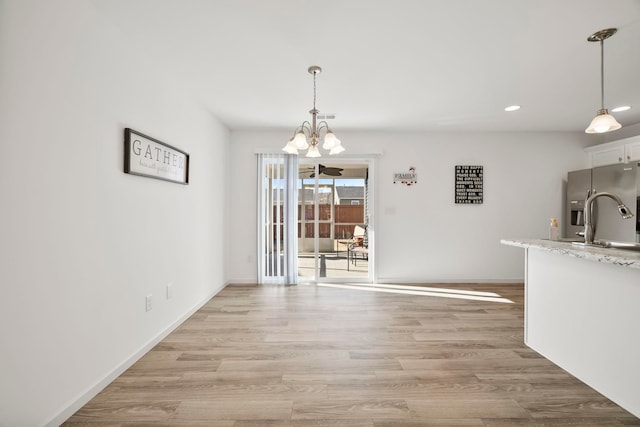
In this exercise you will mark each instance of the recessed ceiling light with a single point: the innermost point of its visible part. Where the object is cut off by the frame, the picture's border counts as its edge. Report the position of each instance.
(619, 109)
(512, 108)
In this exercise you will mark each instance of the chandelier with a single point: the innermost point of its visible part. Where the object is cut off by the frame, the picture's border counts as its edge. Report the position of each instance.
(308, 135)
(603, 122)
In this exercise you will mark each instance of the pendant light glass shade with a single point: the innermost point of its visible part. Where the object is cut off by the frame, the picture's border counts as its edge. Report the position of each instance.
(338, 148)
(329, 141)
(300, 140)
(291, 148)
(313, 151)
(603, 122)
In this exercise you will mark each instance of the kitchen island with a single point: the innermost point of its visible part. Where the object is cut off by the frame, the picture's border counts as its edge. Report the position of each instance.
(582, 312)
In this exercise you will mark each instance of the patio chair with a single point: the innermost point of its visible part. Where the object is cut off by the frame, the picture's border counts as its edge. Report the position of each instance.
(358, 245)
(359, 235)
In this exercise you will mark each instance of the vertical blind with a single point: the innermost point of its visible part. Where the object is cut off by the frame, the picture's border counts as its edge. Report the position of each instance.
(277, 218)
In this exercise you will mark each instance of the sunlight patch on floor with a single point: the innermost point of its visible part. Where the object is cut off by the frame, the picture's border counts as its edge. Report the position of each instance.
(423, 291)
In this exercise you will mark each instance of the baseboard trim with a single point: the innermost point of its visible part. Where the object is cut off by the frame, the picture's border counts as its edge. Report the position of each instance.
(423, 280)
(85, 397)
(391, 280)
(243, 282)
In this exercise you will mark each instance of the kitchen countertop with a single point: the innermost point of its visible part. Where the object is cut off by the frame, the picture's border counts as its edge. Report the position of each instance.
(625, 258)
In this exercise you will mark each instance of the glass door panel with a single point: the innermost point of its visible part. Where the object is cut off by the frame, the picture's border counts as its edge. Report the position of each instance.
(277, 243)
(306, 227)
(333, 238)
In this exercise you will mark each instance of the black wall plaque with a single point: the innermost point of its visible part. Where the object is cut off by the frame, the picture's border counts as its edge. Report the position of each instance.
(469, 185)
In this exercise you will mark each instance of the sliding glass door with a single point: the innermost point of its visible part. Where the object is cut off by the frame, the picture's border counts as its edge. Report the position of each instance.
(335, 238)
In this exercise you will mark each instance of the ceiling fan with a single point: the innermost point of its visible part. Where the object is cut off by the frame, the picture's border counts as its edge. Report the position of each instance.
(323, 170)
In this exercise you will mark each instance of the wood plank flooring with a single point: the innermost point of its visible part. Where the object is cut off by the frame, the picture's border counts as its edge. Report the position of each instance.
(310, 355)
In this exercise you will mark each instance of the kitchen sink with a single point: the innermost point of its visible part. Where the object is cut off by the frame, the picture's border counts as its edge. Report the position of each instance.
(621, 245)
(613, 245)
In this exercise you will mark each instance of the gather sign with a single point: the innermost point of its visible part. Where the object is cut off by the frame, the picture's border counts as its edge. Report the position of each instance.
(146, 156)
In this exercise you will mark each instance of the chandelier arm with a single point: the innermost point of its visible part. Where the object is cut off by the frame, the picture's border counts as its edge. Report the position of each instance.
(305, 128)
(323, 125)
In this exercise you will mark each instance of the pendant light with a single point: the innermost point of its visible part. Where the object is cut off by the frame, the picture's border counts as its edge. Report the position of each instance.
(603, 122)
(307, 135)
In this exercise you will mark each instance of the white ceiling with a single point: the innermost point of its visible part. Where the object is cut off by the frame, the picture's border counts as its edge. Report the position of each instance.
(419, 65)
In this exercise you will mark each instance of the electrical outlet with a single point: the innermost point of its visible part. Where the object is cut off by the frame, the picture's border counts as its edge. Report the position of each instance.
(169, 290)
(148, 305)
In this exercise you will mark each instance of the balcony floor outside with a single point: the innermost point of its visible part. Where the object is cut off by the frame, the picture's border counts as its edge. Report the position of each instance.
(336, 264)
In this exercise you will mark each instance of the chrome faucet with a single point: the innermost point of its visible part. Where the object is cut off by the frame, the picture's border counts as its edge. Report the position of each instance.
(589, 231)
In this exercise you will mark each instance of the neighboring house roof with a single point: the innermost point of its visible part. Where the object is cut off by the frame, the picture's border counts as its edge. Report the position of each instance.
(348, 192)
(308, 196)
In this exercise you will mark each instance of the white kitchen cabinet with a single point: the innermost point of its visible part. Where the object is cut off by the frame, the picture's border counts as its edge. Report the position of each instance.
(632, 151)
(607, 156)
(621, 151)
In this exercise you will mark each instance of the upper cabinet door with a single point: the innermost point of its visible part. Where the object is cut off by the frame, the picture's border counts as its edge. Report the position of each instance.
(632, 151)
(620, 151)
(608, 156)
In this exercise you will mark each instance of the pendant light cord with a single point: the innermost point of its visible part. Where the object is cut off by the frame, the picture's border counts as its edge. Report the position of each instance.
(602, 73)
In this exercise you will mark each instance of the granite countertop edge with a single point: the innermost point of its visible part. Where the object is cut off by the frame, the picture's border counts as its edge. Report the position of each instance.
(621, 257)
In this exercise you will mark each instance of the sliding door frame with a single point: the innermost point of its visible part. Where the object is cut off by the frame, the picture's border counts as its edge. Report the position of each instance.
(370, 214)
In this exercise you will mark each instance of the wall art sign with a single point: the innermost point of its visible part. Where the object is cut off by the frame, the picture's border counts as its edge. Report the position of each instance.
(469, 182)
(146, 156)
(406, 178)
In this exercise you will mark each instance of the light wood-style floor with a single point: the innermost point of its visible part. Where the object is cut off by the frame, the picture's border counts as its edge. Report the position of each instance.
(309, 355)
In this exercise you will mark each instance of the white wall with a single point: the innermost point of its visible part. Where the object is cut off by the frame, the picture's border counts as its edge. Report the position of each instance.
(421, 234)
(625, 132)
(81, 242)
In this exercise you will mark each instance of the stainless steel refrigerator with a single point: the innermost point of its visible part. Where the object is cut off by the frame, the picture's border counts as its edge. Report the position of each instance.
(622, 179)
